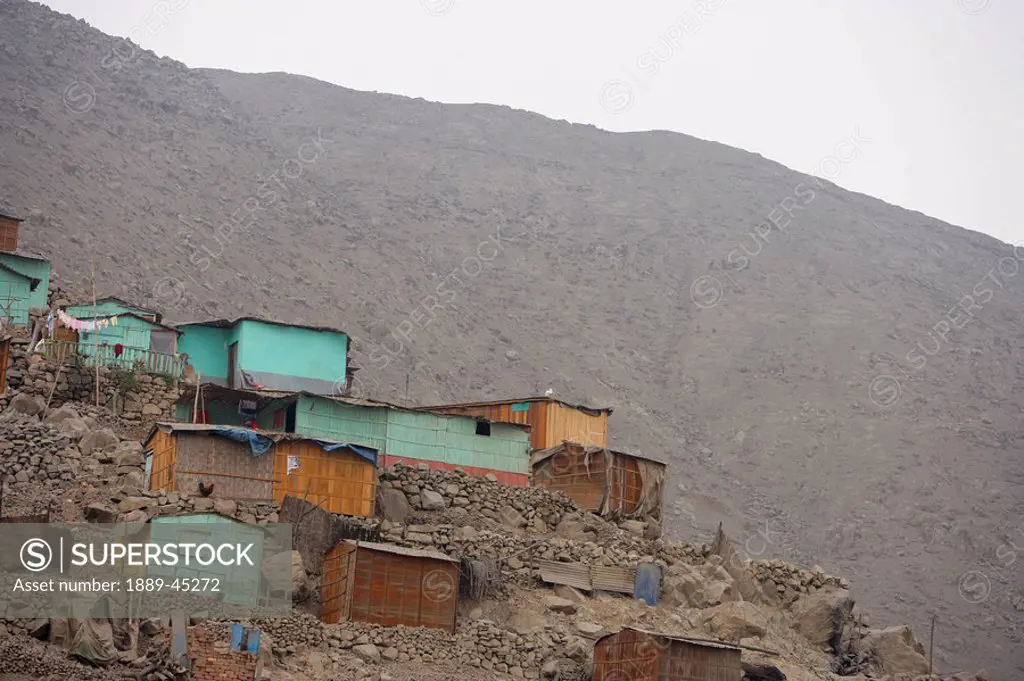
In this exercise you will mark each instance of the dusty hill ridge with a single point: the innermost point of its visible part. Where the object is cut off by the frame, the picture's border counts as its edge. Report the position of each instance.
(516, 254)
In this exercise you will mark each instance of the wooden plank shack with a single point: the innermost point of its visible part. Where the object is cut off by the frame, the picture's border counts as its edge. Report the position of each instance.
(637, 655)
(602, 480)
(244, 464)
(389, 585)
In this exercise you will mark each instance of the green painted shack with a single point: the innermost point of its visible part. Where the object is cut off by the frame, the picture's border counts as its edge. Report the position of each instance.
(257, 354)
(33, 267)
(15, 296)
(143, 339)
(401, 435)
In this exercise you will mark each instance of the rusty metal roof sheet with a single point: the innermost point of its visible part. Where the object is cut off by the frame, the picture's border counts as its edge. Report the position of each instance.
(543, 454)
(705, 642)
(403, 551)
(576, 575)
(614, 578)
(591, 410)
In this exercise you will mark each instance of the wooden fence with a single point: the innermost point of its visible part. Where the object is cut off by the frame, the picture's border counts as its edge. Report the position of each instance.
(130, 359)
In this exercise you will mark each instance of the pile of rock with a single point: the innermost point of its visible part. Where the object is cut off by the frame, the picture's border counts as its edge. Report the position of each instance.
(460, 497)
(789, 581)
(134, 505)
(481, 644)
(24, 657)
(290, 635)
(147, 398)
(32, 452)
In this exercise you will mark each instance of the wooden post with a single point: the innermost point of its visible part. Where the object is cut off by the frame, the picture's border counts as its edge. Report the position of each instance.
(195, 405)
(96, 336)
(931, 646)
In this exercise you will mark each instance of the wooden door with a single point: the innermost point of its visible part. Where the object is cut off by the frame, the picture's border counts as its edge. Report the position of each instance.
(5, 345)
(232, 359)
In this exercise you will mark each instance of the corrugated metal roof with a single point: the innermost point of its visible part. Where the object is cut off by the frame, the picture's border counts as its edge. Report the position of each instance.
(228, 323)
(704, 642)
(22, 253)
(32, 280)
(128, 314)
(570, 574)
(542, 454)
(403, 551)
(5, 214)
(273, 435)
(614, 578)
(581, 407)
(352, 401)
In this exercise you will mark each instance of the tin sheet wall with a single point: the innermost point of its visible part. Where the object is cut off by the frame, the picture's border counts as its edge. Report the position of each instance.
(339, 482)
(551, 422)
(383, 588)
(586, 479)
(164, 458)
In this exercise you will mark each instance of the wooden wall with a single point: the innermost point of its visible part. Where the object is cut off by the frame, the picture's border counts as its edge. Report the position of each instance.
(339, 482)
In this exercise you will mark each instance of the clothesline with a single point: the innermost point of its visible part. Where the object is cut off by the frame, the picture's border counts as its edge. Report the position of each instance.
(81, 324)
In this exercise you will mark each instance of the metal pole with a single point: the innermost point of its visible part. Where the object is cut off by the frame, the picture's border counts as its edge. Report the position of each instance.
(931, 646)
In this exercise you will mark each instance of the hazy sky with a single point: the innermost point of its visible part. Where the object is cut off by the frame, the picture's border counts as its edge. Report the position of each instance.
(937, 86)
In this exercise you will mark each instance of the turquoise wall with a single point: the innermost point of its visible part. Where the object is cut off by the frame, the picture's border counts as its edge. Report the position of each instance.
(36, 269)
(418, 435)
(207, 349)
(277, 357)
(272, 352)
(130, 332)
(15, 297)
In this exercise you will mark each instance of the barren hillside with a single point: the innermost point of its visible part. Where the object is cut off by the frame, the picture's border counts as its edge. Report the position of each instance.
(477, 251)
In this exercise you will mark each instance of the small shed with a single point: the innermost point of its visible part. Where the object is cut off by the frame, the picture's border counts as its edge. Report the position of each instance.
(244, 464)
(389, 585)
(16, 290)
(638, 655)
(551, 421)
(9, 228)
(602, 480)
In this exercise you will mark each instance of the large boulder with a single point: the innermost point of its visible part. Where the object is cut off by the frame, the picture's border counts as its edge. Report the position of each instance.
(23, 403)
(100, 513)
(99, 440)
(288, 563)
(821, 616)
(431, 500)
(733, 621)
(563, 605)
(394, 505)
(74, 428)
(704, 587)
(895, 650)
(128, 453)
(60, 415)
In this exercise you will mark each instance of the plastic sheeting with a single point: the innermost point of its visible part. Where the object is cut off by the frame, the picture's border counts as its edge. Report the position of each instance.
(261, 443)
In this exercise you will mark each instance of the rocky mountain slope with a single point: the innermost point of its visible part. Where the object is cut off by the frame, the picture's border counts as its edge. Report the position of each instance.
(812, 381)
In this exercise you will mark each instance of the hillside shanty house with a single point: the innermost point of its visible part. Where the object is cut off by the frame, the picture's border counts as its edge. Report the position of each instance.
(24, 277)
(257, 354)
(551, 421)
(602, 480)
(10, 227)
(136, 337)
(389, 585)
(16, 290)
(639, 655)
(242, 464)
(402, 435)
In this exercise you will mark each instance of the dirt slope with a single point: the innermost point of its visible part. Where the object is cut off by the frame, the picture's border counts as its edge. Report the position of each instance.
(478, 251)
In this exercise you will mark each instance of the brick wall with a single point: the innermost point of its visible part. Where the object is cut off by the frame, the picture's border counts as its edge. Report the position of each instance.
(213, 659)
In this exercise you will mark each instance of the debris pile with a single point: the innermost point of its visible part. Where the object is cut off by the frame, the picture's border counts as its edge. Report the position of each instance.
(459, 497)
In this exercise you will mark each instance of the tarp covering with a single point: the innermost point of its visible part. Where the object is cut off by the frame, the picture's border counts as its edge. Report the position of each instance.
(652, 476)
(259, 444)
(262, 442)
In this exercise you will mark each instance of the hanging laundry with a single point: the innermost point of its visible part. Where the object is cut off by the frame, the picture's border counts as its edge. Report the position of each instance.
(118, 349)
